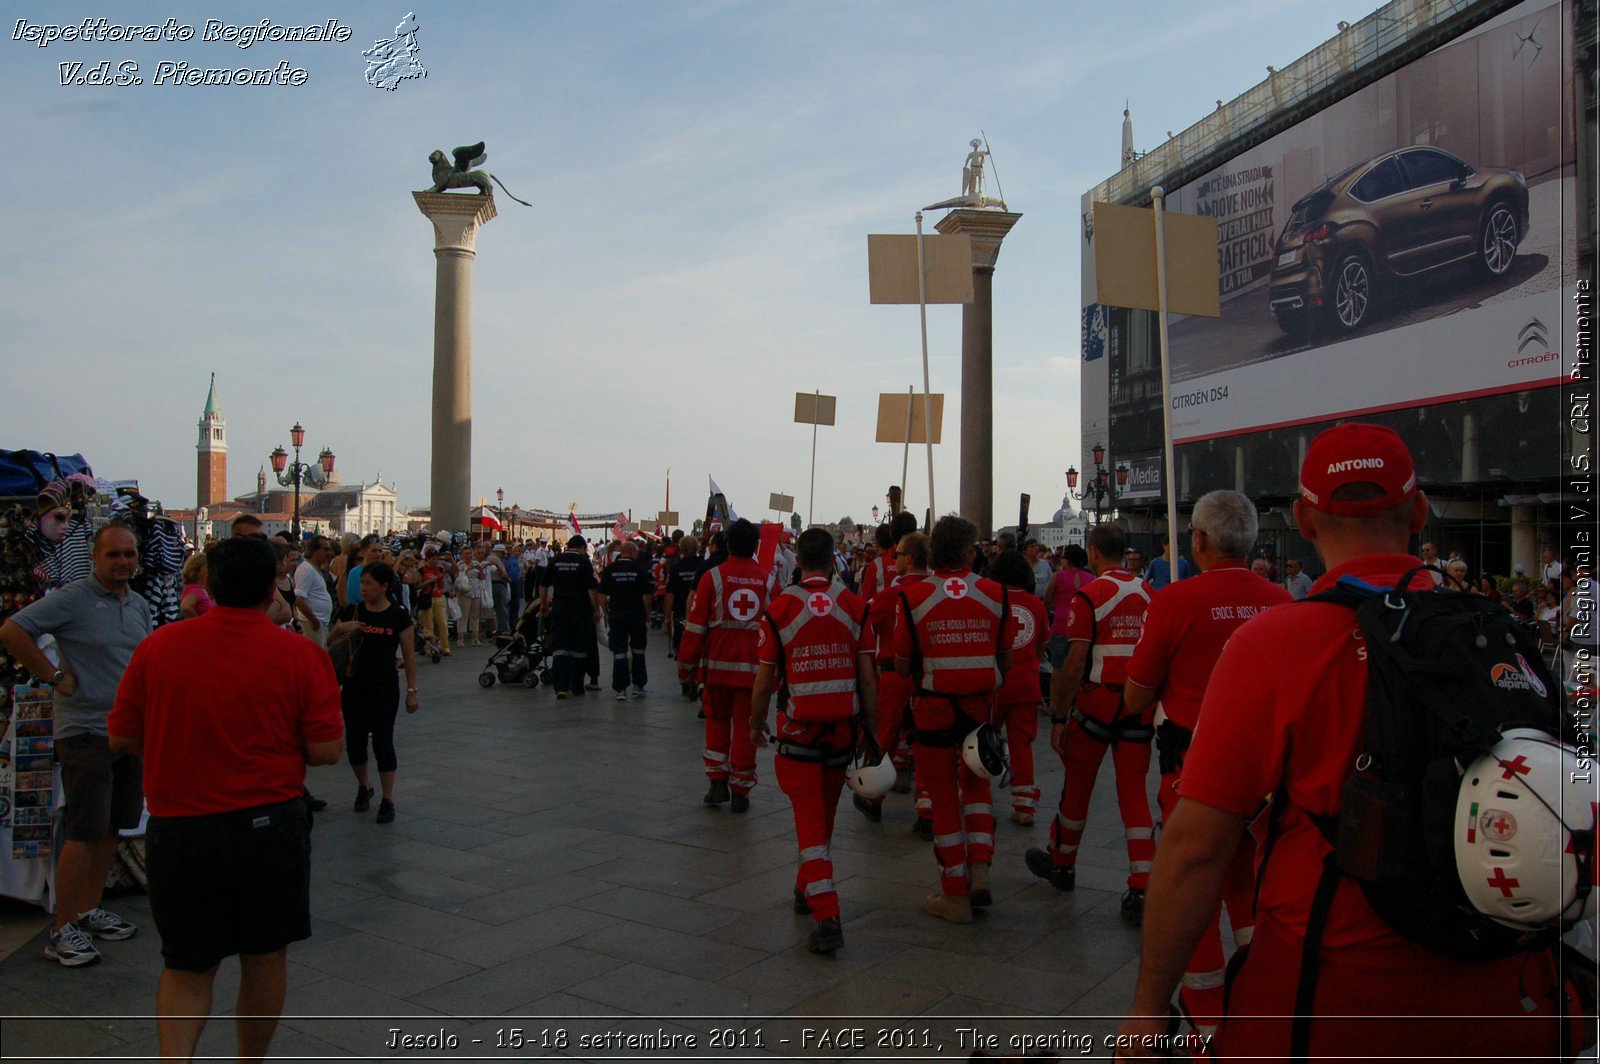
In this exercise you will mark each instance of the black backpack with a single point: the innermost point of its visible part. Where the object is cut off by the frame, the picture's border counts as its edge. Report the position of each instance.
(1433, 707)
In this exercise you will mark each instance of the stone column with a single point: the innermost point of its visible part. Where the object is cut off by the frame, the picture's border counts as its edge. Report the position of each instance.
(987, 229)
(1524, 543)
(456, 220)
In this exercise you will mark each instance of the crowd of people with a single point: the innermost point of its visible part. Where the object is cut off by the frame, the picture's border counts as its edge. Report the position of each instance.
(920, 664)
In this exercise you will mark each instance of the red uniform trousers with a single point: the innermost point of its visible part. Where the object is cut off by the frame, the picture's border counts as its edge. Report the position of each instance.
(1131, 761)
(729, 753)
(813, 788)
(963, 818)
(894, 703)
(1464, 1010)
(1022, 728)
(1202, 990)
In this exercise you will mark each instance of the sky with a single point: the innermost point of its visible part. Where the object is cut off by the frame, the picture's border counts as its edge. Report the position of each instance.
(703, 177)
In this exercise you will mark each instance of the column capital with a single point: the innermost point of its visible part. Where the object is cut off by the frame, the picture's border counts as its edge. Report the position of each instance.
(456, 218)
(987, 229)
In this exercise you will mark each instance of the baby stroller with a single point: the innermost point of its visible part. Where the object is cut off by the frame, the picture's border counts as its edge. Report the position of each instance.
(519, 658)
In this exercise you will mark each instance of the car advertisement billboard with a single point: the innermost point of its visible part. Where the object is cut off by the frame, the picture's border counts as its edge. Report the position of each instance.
(1412, 244)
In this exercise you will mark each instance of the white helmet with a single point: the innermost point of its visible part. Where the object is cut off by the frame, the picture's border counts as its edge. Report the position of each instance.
(985, 752)
(872, 781)
(1516, 814)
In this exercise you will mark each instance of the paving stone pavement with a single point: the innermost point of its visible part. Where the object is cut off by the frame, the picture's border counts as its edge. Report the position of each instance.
(553, 876)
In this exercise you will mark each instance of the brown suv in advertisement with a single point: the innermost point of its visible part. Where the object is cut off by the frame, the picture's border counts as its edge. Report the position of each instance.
(1404, 213)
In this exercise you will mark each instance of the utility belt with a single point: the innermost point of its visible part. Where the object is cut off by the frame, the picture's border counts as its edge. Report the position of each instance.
(952, 735)
(1120, 730)
(819, 753)
(1172, 742)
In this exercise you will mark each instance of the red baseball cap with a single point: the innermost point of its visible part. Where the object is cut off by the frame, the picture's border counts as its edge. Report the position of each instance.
(1356, 453)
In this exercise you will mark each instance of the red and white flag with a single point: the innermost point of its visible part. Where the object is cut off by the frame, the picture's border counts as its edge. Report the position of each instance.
(572, 522)
(620, 529)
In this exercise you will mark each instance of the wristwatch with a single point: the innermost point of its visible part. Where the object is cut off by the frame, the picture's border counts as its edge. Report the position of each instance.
(58, 678)
(411, 690)
(1059, 720)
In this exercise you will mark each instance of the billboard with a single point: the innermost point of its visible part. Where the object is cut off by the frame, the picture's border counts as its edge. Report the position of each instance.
(1412, 244)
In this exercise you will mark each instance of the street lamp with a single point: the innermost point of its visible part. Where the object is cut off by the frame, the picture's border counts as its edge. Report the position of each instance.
(299, 472)
(1099, 488)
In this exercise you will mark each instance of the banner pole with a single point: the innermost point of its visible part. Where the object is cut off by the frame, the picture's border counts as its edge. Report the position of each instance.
(927, 398)
(1170, 480)
(816, 416)
(905, 455)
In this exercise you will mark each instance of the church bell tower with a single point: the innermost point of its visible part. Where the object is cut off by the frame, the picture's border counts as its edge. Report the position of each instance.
(211, 458)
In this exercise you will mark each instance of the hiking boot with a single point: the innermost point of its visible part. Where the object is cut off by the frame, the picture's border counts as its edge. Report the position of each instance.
(922, 828)
(801, 906)
(827, 936)
(903, 780)
(979, 879)
(1041, 864)
(363, 799)
(717, 794)
(385, 811)
(869, 809)
(1133, 906)
(109, 926)
(740, 804)
(957, 910)
(70, 947)
(1023, 817)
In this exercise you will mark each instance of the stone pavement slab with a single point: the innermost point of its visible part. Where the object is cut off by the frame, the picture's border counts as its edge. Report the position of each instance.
(552, 861)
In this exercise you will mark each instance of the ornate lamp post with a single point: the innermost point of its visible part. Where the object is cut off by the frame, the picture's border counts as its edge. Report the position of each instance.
(1099, 489)
(500, 507)
(300, 472)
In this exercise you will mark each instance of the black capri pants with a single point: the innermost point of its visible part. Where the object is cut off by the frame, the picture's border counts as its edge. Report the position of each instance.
(370, 709)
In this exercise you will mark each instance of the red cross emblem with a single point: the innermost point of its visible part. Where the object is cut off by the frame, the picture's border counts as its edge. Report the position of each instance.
(819, 604)
(955, 587)
(1517, 766)
(1501, 883)
(744, 604)
(1501, 825)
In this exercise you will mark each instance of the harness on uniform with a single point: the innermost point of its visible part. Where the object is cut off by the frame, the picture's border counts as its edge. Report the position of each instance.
(1121, 729)
(956, 734)
(797, 751)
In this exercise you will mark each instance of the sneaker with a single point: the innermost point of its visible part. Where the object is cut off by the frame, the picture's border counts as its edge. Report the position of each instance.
(560, 695)
(801, 906)
(827, 936)
(593, 685)
(1041, 864)
(622, 696)
(1133, 906)
(385, 812)
(956, 909)
(717, 794)
(70, 947)
(869, 809)
(740, 804)
(981, 896)
(109, 926)
(1023, 817)
(922, 828)
(636, 692)
(316, 804)
(903, 781)
(363, 799)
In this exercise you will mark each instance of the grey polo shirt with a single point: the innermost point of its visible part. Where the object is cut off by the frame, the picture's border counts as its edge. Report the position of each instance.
(96, 633)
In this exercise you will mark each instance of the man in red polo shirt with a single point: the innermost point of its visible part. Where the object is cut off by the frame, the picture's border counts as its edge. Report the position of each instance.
(815, 637)
(953, 636)
(225, 752)
(1296, 733)
(1184, 631)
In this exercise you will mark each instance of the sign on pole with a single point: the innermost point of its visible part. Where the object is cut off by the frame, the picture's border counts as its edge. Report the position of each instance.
(892, 268)
(646, 525)
(1125, 260)
(667, 518)
(784, 504)
(814, 408)
(893, 420)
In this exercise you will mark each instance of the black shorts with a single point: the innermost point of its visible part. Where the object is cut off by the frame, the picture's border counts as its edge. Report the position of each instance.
(232, 883)
(104, 790)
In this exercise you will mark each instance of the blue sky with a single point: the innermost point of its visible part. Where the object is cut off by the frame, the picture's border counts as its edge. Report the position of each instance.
(704, 176)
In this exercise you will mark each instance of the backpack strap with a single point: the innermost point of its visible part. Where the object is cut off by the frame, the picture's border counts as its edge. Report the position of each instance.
(1305, 996)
